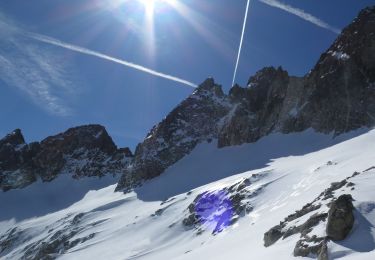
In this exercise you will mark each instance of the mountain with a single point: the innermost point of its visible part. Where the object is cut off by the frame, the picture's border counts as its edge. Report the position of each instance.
(83, 151)
(337, 95)
(282, 168)
(172, 217)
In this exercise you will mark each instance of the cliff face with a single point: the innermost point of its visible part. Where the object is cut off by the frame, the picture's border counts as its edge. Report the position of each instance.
(336, 96)
(16, 167)
(267, 105)
(81, 152)
(340, 89)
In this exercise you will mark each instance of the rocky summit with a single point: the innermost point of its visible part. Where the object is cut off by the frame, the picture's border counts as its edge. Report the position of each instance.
(193, 121)
(336, 96)
(81, 152)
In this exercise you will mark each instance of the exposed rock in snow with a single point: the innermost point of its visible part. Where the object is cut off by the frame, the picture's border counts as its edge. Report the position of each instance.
(340, 218)
(333, 212)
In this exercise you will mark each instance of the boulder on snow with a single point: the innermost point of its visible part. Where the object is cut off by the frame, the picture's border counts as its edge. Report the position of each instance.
(340, 218)
(271, 236)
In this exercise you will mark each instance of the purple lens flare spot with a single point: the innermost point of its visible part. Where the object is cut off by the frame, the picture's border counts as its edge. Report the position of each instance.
(214, 210)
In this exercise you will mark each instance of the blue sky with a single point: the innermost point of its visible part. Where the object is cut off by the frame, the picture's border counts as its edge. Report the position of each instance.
(45, 89)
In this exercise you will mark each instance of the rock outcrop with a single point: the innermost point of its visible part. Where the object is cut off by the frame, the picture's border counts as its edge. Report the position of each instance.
(340, 218)
(81, 152)
(330, 211)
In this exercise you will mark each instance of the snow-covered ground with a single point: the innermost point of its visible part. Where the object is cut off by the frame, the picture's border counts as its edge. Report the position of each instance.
(291, 170)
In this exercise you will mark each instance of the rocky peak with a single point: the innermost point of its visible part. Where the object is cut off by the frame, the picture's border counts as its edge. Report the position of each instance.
(267, 87)
(209, 88)
(193, 121)
(339, 91)
(266, 76)
(257, 108)
(237, 92)
(83, 151)
(337, 96)
(82, 137)
(356, 44)
(14, 138)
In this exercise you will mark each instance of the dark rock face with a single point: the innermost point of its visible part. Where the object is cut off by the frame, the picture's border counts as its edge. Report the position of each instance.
(81, 151)
(16, 167)
(261, 108)
(340, 89)
(272, 235)
(336, 96)
(340, 218)
(194, 121)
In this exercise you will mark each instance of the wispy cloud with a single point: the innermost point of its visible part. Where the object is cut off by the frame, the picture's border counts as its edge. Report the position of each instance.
(302, 14)
(35, 71)
(41, 73)
(128, 64)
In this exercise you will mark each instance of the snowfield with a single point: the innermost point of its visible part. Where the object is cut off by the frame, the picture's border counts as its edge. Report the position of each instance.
(285, 173)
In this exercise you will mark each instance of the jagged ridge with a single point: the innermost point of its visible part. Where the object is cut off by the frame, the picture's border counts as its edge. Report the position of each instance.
(336, 96)
(80, 151)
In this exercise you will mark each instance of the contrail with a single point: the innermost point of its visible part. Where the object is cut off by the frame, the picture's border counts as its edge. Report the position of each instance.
(75, 48)
(240, 47)
(301, 14)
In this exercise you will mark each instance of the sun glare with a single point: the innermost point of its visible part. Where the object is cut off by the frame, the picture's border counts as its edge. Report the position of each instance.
(149, 5)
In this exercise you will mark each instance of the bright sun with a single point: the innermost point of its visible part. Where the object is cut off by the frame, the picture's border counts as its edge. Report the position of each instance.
(149, 5)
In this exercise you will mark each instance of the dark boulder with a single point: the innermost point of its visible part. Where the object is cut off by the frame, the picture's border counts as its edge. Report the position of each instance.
(274, 234)
(340, 218)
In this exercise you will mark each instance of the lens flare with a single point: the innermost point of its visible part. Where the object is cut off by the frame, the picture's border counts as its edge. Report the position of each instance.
(214, 210)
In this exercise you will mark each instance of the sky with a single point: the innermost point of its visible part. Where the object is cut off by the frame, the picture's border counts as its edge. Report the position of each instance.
(125, 64)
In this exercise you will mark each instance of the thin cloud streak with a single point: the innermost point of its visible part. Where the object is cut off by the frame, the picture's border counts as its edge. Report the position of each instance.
(301, 14)
(241, 41)
(35, 72)
(82, 50)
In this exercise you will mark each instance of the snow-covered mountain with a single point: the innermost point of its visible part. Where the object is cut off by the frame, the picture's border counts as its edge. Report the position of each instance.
(284, 167)
(161, 220)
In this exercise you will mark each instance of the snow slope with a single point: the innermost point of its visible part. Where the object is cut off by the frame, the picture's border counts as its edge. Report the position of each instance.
(291, 170)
